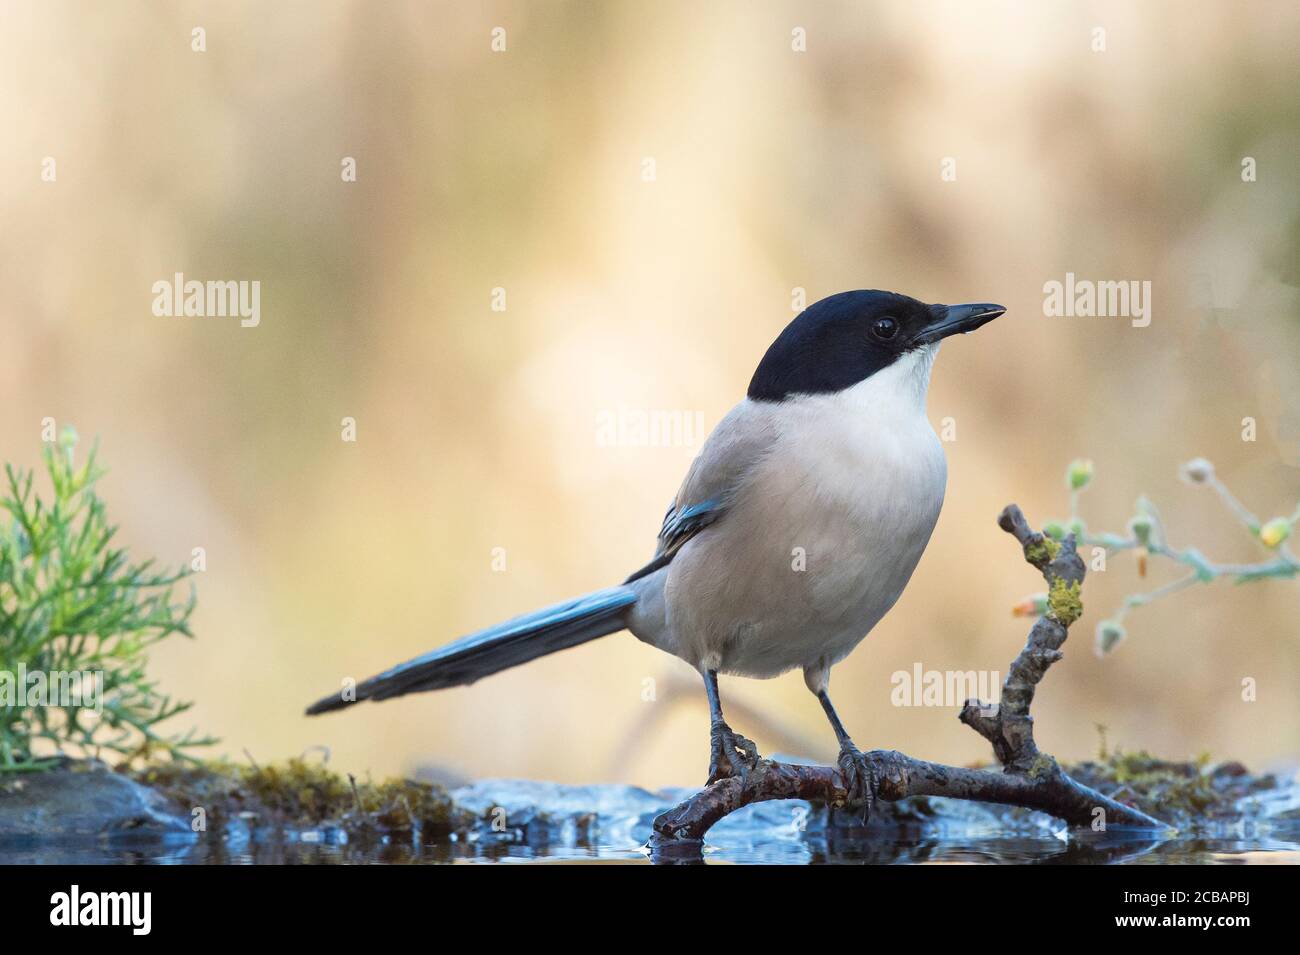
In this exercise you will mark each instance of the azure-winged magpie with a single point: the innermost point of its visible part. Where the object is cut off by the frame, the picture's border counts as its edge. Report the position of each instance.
(796, 529)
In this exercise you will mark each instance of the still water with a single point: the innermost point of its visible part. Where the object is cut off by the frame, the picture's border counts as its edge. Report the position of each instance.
(988, 850)
(548, 823)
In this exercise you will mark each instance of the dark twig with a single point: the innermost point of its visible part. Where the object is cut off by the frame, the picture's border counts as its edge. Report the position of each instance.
(1029, 778)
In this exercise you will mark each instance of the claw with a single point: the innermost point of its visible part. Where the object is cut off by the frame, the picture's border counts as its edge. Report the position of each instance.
(861, 779)
(730, 753)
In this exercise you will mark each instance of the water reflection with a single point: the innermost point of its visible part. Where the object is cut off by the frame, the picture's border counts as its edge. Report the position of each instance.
(843, 848)
(522, 821)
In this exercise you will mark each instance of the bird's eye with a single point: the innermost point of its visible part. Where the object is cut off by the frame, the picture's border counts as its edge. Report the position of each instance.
(884, 328)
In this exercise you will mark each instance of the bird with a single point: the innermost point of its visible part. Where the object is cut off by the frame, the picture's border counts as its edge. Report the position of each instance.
(796, 529)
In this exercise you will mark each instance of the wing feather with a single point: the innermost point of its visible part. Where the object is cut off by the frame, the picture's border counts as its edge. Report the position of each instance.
(720, 469)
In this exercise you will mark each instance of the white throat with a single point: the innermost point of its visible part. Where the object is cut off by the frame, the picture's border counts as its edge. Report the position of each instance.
(890, 405)
(898, 391)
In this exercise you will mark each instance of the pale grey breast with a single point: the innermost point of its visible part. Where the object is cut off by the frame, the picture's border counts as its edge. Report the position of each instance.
(828, 513)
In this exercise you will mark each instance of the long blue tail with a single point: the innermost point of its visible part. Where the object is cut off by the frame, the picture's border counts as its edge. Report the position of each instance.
(498, 648)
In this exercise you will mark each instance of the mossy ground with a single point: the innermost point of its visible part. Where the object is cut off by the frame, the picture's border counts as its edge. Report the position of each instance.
(302, 793)
(1184, 794)
(306, 794)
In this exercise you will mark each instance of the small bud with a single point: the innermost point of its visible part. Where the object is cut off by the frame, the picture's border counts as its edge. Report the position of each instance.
(1140, 528)
(1079, 473)
(1054, 530)
(1275, 532)
(1078, 528)
(1196, 471)
(1034, 605)
(1109, 636)
(68, 437)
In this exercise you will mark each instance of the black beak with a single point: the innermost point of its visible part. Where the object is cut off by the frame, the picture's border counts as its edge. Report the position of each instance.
(957, 320)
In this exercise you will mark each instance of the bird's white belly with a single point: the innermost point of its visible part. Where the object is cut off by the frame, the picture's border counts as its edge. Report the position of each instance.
(815, 550)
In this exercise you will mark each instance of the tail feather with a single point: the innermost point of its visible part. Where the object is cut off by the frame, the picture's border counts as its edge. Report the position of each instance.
(497, 648)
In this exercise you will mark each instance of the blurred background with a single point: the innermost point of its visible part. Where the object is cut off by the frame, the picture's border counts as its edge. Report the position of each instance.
(650, 184)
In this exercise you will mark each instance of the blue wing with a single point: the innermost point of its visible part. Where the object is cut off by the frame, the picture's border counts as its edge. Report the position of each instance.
(680, 525)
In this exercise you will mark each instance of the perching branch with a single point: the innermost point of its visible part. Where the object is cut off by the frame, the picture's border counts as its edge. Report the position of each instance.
(1029, 778)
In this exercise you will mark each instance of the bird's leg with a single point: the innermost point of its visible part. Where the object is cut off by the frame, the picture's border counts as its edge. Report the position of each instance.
(861, 777)
(730, 754)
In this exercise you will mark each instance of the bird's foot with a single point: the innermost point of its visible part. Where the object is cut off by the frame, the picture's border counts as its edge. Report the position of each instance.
(862, 774)
(730, 754)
